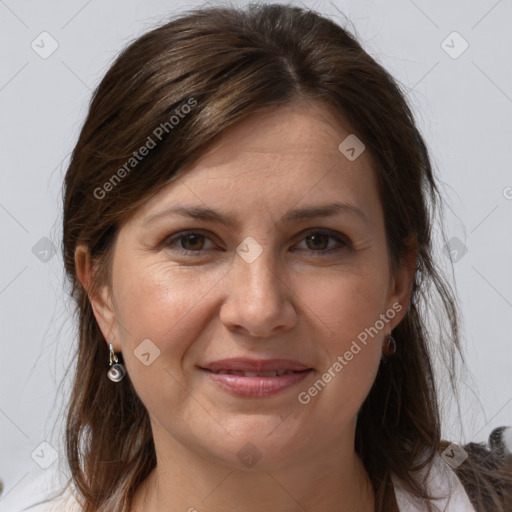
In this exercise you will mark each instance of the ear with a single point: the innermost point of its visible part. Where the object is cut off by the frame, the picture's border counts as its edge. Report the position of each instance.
(101, 299)
(402, 282)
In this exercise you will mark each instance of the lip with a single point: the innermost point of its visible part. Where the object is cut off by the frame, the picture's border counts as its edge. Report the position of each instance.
(246, 364)
(256, 386)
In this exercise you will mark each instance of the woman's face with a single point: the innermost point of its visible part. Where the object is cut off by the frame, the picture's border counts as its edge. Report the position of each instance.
(286, 269)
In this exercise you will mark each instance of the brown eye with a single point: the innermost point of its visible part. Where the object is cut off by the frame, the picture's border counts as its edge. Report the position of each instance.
(321, 242)
(192, 242)
(189, 242)
(318, 241)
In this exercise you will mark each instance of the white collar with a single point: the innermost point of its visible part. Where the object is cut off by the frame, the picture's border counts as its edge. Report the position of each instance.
(441, 482)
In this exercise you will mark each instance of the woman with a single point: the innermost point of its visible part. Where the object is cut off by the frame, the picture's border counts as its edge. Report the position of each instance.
(247, 231)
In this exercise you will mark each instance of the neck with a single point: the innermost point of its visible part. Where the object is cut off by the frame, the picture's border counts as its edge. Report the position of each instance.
(316, 481)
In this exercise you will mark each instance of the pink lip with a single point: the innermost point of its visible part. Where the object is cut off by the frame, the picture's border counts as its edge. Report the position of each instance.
(256, 386)
(245, 364)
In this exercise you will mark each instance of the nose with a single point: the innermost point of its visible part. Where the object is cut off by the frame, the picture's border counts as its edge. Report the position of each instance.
(259, 302)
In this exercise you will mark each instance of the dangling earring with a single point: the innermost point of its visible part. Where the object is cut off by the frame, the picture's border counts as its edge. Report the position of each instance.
(388, 347)
(118, 371)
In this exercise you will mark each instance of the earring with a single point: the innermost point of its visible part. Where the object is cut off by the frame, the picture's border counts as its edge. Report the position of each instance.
(118, 371)
(388, 347)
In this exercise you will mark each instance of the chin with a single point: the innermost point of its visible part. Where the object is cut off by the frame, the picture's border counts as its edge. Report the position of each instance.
(262, 444)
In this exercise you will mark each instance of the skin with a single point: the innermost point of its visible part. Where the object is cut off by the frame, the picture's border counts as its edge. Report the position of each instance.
(301, 298)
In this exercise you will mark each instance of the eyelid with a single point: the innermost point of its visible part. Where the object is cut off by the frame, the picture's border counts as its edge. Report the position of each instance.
(182, 234)
(340, 238)
(343, 241)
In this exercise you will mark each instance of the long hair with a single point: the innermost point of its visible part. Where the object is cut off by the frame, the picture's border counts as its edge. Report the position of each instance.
(180, 86)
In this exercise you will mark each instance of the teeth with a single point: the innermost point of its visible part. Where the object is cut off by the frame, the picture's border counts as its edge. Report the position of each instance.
(273, 373)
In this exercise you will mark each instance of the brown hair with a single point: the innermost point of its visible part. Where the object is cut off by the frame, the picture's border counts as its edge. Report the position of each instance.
(229, 63)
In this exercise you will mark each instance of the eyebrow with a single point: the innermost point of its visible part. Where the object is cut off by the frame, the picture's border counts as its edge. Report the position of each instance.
(296, 215)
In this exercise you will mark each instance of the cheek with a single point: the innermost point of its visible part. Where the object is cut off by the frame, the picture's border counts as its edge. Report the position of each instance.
(166, 306)
(160, 309)
(345, 304)
(347, 310)
(153, 300)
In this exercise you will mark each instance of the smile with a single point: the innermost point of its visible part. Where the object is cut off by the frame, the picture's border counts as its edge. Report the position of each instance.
(275, 373)
(256, 384)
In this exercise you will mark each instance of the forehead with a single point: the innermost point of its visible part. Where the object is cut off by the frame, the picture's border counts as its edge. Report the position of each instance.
(289, 133)
(289, 154)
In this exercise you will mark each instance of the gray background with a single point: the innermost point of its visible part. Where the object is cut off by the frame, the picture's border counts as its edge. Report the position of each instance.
(463, 104)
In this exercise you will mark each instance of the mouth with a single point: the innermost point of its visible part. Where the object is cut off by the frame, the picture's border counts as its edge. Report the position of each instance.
(255, 378)
(275, 373)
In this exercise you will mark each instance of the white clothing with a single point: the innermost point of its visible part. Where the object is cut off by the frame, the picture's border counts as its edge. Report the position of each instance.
(442, 482)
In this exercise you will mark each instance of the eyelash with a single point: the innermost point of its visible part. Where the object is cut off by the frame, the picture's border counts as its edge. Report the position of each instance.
(344, 245)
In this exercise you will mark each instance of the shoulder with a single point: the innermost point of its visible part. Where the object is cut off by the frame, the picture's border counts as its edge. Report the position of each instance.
(487, 471)
(63, 503)
(469, 478)
(45, 492)
(442, 484)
